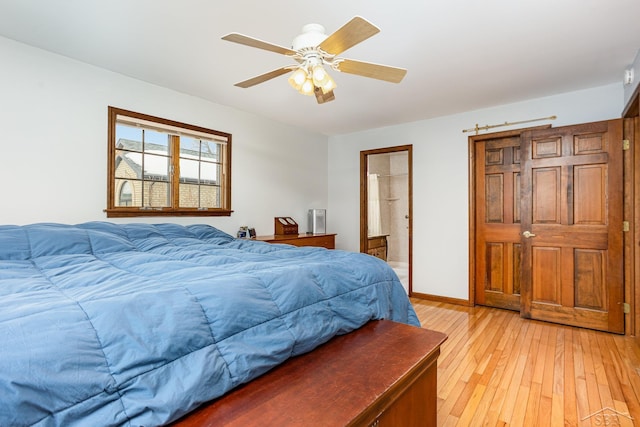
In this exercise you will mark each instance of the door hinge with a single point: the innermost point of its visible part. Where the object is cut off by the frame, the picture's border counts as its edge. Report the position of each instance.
(626, 308)
(625, 225)
(626, 144)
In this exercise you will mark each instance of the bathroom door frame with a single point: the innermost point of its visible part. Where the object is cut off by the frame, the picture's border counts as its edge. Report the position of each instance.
(364, 197)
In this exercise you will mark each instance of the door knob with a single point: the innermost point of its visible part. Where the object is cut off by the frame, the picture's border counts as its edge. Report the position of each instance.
(528, 234)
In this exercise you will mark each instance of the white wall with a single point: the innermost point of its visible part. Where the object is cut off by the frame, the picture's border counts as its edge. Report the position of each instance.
(53, 161)
(440, 174)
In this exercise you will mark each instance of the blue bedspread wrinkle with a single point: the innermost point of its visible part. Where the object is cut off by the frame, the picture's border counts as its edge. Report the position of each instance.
(136, 324)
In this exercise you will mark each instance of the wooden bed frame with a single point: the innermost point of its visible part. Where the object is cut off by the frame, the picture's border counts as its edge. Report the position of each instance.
(383, 374)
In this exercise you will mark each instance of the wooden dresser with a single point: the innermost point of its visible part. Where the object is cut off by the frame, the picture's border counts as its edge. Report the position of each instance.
(377, 246)
(383, 375)
(322, 240)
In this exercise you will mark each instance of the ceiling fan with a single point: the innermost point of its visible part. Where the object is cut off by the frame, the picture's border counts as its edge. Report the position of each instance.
(312, 50)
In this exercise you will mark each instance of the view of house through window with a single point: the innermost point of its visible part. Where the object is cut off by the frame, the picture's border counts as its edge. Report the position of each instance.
(161, 167)
(125, 194)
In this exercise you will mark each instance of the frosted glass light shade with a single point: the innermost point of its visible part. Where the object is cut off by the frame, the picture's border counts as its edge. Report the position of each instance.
(297, 79)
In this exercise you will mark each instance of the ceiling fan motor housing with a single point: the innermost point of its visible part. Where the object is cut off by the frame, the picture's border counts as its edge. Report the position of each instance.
(312, 35)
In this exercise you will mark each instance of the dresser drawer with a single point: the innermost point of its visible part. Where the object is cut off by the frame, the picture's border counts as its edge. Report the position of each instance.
(377, 246)
(378, 253)
(320, 240)
(377, 242)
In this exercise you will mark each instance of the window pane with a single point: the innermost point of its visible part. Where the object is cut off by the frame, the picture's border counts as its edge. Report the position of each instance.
(129, 193)
(189, 147)
(126, 195)
(209, 196)
(189, 170)
(157, 194)
(199, 196)
(189, 196)
(128, 137)
(209, 173)
(195, 172)
(210, 150)
(156, 167)
(156, 142)
(193, 148)
(128, 164)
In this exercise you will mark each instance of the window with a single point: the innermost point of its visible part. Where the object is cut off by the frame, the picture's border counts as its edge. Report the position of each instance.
(159, 167)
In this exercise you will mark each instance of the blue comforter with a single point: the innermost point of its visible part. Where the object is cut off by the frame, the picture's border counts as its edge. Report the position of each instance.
(104, 324)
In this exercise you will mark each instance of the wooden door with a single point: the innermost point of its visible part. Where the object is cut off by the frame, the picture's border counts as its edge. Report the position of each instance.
(572, 205)
(497, 221)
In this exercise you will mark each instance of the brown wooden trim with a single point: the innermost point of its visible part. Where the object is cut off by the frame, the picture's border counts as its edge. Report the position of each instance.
(472, 220)
(364, 196)
(175, 187)
(119, 111)
(225, 179)
(634, 286)
(438, 298)
(410, 213)
(629, 237)
(631, 113)
(616, 237)
(632, 108)
(112, 113)
(129, 213)
(226, 174)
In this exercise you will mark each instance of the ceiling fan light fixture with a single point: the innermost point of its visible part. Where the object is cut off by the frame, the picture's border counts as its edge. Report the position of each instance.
(322, 79)
(308, 76)
(328, 85)
(297, 79)
(307, 87)
(319, 74)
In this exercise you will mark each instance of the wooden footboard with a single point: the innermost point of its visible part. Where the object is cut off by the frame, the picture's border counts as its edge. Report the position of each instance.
(383, 374)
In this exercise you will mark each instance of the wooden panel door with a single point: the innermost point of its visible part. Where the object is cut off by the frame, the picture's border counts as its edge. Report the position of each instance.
(572, 205)
(497, 221)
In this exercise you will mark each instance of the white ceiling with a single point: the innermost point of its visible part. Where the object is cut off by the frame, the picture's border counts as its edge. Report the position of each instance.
(461, 55)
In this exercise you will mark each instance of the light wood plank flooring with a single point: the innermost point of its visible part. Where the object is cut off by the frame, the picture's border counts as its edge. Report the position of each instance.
(497, 369)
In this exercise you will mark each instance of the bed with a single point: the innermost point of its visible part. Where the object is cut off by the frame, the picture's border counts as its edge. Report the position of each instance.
(138, 324)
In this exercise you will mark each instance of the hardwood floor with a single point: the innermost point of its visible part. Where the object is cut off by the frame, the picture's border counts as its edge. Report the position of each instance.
(497, 369)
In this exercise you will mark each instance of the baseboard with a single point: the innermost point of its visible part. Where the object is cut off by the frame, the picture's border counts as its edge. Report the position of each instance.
(437, 298)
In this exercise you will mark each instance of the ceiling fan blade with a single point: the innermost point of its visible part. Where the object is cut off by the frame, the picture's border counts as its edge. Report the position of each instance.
(322, 97)
(375, 71)
(263, 77)
(260, 44)
(349, 35)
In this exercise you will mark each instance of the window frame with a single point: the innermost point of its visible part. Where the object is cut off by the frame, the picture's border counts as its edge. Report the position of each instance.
(114, 211)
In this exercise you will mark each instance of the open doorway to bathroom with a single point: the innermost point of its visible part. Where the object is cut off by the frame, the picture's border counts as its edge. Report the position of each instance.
(386, 208)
